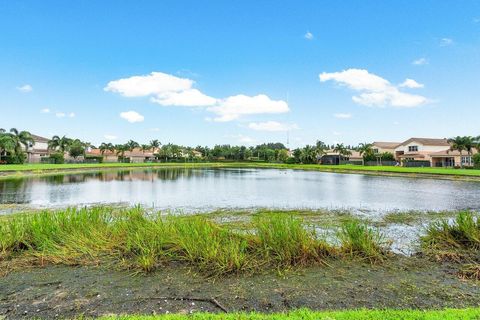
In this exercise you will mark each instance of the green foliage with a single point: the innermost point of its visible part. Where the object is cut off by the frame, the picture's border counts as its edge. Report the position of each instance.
(476, 160)
(285, 240)
(360, 240)
(305, 314)
(143, 241)
(76, 149)
(462, 233)
(57, 158)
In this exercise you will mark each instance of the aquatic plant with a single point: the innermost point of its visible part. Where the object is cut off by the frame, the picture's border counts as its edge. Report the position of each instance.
(142, 240)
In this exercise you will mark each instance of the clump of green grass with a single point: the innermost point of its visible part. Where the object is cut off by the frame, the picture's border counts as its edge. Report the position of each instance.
(463, 233)
(143, 241)
(357, 239)
(284, 240)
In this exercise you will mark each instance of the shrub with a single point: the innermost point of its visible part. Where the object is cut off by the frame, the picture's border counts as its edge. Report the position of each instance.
(57, 158)
(476, 160)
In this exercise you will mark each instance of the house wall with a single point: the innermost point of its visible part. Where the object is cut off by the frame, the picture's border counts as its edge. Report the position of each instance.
(421, 148)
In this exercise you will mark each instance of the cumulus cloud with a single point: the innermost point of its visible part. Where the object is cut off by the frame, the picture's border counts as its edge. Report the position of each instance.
(110, 137)
(342, 115)
(186, 98)
(420, 62)
(410, 83)
(71, 114)
(25, 88)
(445, 42)
(234, 107)
(146, 85)
(308, 35)
(45, 110)
(374, 90)
(272, 126)
(169, 90)
(132, 116)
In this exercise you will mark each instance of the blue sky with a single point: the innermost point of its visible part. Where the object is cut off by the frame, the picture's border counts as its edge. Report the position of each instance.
(240, 72)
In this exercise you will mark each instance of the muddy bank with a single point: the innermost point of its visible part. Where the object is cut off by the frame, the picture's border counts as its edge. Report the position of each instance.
(61, 291)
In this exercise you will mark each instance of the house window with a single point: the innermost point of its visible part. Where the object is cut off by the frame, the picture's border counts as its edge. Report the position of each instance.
(412, 148)
(375, 150)
(467, 160)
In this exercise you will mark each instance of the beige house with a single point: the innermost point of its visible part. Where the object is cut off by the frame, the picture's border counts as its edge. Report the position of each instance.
(419, 149)
(38, 149)
(382, 147)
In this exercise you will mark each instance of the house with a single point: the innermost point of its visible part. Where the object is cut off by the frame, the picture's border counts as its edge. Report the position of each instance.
(38, 149)
(452, 158)
(420, 149)
(333, 157)
(382, 147)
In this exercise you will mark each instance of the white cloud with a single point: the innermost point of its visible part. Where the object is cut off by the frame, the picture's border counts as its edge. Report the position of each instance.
(110, 137)
(71, 114)
(410, 83)
(147, 85)
(25, 88)
(445, 42)
(45, 110)
(168, 90)
(308, 35)
(272, 126)
(240, 138)
(342, 115)
(375, 91)
(132, 116)
(420, 62)
(186, 98)
(60, 114)
(234, 107)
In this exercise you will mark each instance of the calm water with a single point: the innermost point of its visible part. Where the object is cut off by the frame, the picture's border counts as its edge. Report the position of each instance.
(207, 189)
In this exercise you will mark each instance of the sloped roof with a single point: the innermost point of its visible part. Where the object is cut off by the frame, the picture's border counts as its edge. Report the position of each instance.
(38, 138)
(386, 145)
(452, 153)
(428, 142)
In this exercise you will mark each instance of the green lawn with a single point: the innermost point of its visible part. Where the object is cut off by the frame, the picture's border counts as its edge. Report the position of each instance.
(448, 314)
(40, 168)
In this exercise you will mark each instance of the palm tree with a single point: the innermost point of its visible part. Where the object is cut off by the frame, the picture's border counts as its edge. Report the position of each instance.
(7, 143)
(132, 145)
(155, 144)
(459, 144)
(21, 138)
(106, 147)
(121, 149)
(145, 147)
(342, 150)
(308, 154)
(365, 149)
(321, 147)
(62, 144)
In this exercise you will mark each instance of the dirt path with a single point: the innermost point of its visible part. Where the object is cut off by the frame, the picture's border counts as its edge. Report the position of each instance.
(60, 291)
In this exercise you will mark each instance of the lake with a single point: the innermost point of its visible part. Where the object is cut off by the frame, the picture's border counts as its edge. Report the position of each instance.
(210, 189)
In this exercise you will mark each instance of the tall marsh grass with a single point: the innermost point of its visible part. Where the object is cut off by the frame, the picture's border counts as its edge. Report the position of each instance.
(144, 241)
(462, 233)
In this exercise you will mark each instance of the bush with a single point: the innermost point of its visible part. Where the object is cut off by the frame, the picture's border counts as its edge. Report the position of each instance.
(57, 158)
(19, 158)
(476, 160)
(94, 159)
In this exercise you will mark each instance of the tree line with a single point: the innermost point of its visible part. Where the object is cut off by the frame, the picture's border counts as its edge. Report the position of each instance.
(15, 144)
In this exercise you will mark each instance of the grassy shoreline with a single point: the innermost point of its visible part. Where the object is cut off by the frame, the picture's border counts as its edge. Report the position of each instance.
(12, 171)
(305, 314)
